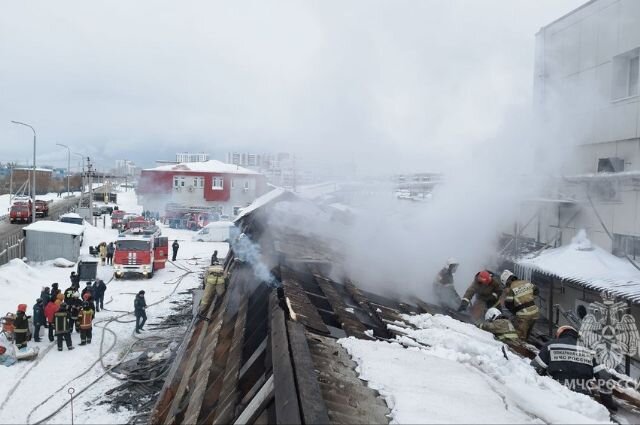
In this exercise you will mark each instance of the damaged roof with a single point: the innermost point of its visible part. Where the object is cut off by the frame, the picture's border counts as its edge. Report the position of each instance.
(268, 353)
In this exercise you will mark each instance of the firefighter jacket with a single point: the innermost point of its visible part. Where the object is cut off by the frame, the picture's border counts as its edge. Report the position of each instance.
(520, 299)
(61, 320)
(38, 314)
(88, 289)
(488, 293)
(50, 310)
(21, 327)
(572, 365)
(445, 277)
(501, 328)
(86, 318)
(68, 294)
(74, 308)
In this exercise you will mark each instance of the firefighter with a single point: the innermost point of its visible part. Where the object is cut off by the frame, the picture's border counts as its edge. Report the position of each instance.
(214, 258)
(99, 289)
(8, 325)
(174, 246)
(88, 289)
(139, 307)
(61, 320)
(485, 288)
(496, 323)
(54, 291)
(574, 366)
(214, 284)
(445, 292)
(38, 319)
(75, 280)
(49, 311)
(21, 330)
(103, 252)
(74, 307)
(86, 319)
(520, 301)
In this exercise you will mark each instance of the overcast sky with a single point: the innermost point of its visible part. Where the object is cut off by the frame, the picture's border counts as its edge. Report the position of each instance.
(395, 81)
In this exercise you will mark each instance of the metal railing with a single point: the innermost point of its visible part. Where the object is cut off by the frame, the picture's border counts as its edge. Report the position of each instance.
(13, 247)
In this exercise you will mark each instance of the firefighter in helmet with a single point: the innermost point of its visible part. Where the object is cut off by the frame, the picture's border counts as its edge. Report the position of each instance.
(496, 323)
(485, 287)
(520, 301)
(443, 288)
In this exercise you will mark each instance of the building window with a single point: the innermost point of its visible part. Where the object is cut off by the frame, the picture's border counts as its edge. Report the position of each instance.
(217, 183)
(246, 186)
(233, 183)
(626, 244)
(626, 73)
(178, 181)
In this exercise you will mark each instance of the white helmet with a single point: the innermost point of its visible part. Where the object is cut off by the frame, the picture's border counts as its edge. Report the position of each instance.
(492, 314)
(504, 277)
(452, 261)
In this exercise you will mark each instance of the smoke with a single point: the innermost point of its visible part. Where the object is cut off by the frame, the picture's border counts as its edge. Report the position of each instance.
(248, 252)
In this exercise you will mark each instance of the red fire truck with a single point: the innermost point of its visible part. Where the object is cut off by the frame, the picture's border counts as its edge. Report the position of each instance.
(42, 208)
(140, 251)
(21, 209)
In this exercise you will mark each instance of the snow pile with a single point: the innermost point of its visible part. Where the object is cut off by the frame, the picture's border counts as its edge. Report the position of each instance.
(55, 227)
(587, 263)
(63, 262)
(464, 377)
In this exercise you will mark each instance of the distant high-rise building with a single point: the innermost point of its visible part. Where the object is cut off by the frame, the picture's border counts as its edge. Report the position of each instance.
(191, 157)
(244, 159)
(124, 167)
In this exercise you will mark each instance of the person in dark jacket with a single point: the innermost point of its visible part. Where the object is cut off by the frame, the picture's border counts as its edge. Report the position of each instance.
(38, 319)
(54, 291)
(111, 249)
(574, 366)
(61, 320)
(68, 294)
(74, 305)
(99, 289)
(21, 330)
(75, 280)
(174, 246)
(49, 311)
(139, 307)
(45, 295)
(214, 258)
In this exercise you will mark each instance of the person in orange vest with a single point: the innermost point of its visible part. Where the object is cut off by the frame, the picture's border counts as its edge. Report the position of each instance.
(86, 318)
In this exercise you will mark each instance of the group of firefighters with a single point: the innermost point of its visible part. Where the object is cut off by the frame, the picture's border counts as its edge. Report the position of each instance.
(562, 358)
(59, 312)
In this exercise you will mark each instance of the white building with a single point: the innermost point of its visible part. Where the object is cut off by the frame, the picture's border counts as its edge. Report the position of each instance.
(124, 167)
(587, 73)
(191, 157)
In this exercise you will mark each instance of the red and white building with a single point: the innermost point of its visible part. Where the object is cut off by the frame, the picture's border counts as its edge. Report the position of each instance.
(220, 187)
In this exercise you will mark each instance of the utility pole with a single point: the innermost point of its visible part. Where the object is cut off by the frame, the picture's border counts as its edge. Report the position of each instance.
(11, 186)
(89, 178)
(81, 180)
(68, 165)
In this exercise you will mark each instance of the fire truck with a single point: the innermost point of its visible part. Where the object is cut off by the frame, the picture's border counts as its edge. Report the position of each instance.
(21, 209)
(42, 208)
(116, 218)
(190, 218)
(140, 251)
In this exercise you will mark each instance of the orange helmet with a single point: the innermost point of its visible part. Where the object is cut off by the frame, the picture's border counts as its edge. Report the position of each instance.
(563, 329)
(22, 308)
(2, 349)
(484, 277)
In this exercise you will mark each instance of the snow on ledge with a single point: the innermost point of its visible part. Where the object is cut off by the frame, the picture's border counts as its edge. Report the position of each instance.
(56, 227)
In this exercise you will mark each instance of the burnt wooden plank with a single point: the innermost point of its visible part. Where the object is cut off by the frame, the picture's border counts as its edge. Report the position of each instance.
(314, 410)
(286, 397)
(351, 325)
(301, 305)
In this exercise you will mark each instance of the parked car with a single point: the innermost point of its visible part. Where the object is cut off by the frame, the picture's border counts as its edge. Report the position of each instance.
(72, 218)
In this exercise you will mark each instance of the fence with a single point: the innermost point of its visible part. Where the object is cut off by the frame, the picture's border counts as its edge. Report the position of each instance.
(13, 248)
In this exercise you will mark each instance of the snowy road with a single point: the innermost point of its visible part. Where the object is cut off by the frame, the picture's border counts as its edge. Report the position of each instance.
(33, 390)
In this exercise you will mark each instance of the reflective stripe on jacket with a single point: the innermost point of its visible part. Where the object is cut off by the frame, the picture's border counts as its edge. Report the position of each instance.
(520, 299)
(501, 328)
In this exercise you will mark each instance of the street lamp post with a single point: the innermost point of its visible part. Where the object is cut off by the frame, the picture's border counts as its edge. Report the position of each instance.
(81, 179)
(33, 187)
(68, 166)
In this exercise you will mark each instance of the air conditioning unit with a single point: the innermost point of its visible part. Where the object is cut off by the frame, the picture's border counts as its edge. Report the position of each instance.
(610, 165)
(246, 189)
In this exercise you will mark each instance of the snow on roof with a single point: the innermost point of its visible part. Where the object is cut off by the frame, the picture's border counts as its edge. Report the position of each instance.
(262, 200)
(70, 215)
(211, 166)
(56, 227)
(587, 264)
(31, 169)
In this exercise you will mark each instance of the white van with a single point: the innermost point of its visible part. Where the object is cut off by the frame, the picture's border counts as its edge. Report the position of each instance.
(218, 231)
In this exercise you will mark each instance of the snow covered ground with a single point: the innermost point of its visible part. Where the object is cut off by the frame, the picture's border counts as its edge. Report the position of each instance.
(446, 371)
(32, 390)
